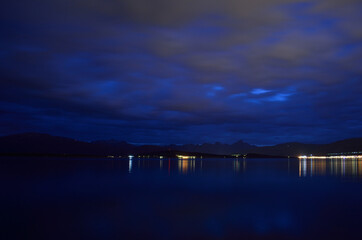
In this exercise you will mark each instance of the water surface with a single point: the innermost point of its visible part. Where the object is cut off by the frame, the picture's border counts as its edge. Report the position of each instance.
(83, 198)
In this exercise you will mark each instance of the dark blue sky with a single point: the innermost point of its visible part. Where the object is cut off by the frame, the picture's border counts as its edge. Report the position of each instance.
(192, 71)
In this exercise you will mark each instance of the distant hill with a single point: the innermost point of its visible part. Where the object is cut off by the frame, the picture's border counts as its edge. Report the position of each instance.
(30, 143)
(113, 147)
(285, 149)
(217, 148)
(297, 149)
(38, 143)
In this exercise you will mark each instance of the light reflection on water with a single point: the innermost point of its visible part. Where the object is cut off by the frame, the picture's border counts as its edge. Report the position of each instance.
(145, 198)
(330, 167)
(187, 166)
(298, 167)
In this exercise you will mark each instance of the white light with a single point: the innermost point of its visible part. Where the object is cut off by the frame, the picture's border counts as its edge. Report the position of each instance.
(330, 157)
(130, 165)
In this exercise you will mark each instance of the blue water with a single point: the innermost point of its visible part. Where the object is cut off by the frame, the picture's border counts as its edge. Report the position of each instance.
(69, 198)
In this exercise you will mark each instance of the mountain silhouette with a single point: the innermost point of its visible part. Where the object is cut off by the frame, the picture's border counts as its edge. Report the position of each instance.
(39, 143)
(297, 149)
(217, 148)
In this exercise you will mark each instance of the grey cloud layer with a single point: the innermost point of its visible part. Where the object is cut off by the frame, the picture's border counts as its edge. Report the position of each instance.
(185, 65)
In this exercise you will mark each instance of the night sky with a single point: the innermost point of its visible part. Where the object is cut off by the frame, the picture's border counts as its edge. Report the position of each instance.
(191, 71)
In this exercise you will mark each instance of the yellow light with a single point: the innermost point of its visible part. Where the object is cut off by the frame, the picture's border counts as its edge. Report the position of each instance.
(185, 157)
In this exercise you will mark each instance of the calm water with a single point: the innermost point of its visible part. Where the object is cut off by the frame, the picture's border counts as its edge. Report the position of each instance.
(54, 198)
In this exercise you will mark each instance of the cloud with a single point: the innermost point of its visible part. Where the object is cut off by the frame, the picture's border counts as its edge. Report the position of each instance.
(144, 69)
(258, 91)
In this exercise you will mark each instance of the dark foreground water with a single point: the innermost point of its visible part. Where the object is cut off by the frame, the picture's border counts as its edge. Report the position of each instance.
(54, 198)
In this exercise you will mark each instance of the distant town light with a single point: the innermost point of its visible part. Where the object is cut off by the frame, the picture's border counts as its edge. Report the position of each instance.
(185, 157)
(330, 157)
